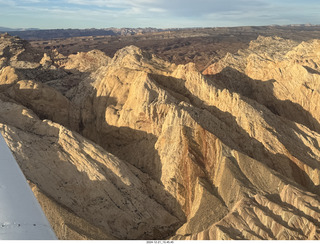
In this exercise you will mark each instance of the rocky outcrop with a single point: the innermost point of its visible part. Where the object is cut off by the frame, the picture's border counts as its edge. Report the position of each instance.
(137, 148)
(81, 176)
(66, 224)
(281, 74)
(86, 62)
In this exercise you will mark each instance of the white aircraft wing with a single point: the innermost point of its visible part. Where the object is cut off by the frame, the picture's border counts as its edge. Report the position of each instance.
(21, 217)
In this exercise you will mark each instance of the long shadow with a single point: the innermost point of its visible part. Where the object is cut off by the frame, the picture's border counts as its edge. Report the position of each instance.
(150, 232)
(138, 147)
(119, 215)
(67, 79)
(276, 199)
(44, 104)
(237, 138)
(263, 93)
(133, 146)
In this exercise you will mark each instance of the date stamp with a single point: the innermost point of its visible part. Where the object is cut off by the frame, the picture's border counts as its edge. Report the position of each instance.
(160, 242)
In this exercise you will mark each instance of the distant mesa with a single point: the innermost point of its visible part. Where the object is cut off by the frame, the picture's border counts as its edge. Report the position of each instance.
(6, 29)
(47, 34)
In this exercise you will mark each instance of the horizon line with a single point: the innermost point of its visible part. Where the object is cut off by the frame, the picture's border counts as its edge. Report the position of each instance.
(9, 29)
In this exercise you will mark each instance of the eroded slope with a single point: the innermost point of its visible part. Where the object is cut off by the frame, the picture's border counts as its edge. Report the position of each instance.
(137, 147)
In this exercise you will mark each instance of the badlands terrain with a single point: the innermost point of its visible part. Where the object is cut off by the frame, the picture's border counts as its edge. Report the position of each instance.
(201, 46)
(136, 147)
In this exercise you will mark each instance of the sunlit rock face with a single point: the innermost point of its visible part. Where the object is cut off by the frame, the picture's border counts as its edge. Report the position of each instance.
(133, 147)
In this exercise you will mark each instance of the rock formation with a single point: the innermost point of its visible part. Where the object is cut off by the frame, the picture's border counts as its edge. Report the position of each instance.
(134, 147)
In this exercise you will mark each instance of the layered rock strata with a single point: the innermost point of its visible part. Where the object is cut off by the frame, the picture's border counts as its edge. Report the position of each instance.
(134, 147)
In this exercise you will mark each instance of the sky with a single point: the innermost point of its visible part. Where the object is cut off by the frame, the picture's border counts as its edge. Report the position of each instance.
(52, 14)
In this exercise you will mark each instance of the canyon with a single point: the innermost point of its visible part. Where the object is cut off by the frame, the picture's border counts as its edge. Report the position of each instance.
(137, 147)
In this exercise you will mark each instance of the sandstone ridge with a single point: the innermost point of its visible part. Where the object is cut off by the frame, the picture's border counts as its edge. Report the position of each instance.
(133, 147)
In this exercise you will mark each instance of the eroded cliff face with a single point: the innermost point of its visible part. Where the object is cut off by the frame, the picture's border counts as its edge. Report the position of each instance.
(280, 74)
(134, 147)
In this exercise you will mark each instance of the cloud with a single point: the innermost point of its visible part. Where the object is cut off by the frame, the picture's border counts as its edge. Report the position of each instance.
(281, 13)
(157, 13)
(183, 8)
(7, 3)
(32, 1)
(103, 3)
(202, 7)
